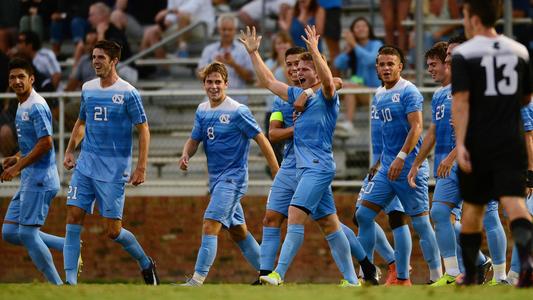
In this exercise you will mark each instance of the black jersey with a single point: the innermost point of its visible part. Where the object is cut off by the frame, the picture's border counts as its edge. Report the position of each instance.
(497, 74)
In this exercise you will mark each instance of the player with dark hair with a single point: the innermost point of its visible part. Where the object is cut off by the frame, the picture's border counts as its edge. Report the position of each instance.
(491, 81)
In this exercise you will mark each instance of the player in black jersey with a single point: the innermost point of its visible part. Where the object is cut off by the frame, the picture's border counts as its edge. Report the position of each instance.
(491, 81)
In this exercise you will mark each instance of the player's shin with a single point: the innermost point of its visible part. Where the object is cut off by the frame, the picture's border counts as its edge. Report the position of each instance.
(269, 248)
(428, 243)
(291, 245)
(251, 250)
(71, 252)
(340, 249)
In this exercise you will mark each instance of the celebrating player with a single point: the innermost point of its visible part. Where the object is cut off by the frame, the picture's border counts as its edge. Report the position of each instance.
(110, 107)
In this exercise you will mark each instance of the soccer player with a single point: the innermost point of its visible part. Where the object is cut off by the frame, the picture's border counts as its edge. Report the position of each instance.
(110, 107)
(399, 106)
(313, 134)
(527, 118)
(36, 164)
(225, 128)
(491, 81)
(285, 183)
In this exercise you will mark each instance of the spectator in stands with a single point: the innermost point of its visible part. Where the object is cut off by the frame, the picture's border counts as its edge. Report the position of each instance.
(359, 59)
(131, 16)
(71, 14)
(178, 15)
(304, 12)
(32, 20)
(332, 28)
(231, 53)
(8, 110)
(252, 13)
(84, 70)
(44, 60)
(9, 21)
(393, 13)
(523, 32)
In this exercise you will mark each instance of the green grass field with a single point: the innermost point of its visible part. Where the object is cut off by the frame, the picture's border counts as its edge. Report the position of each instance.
(237, 291)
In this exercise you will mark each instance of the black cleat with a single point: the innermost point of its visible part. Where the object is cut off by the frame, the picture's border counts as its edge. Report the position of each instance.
(525, 278)
(257, 282)
(371, 276)
(150, 274)
(483, 270)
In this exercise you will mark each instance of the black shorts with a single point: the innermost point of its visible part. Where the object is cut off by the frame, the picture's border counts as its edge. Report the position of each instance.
(332, 28)
(481, 186)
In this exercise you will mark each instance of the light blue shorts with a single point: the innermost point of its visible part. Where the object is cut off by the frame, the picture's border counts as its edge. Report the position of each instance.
(225, 204)
(84, 191)
(282, 190)
(395, 205)
(529, 204)
(314, 192)
(447, 189)
(29, 207)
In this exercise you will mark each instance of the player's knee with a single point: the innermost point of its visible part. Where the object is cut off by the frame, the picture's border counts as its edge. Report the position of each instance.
(113, 233)
(10, 234)
(273, 219)
(26, 233)
(362, 218)
(440, 213)
(397, 219)
(329, 224)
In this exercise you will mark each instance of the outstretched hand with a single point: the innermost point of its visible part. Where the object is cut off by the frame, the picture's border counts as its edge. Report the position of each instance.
(250, 39)
(311, 39)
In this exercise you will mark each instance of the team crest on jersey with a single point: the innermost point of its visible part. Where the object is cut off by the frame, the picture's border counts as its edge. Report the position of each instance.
(224, 118)
(118, 99)
(25, 116)
(396, 98)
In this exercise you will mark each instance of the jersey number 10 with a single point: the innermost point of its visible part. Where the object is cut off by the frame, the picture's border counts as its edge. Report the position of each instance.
(509, 82)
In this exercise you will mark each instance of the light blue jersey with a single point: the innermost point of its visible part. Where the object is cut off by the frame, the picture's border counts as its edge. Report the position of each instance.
(34, 121)
(441, 110)
(313, 130)
(109, 114)
(376, 136)
(527, 117)
(392, 106)
(225, 131)
(286, 110)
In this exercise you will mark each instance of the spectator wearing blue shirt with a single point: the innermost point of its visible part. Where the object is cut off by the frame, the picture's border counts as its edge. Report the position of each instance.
(358, 59)
(304, 12)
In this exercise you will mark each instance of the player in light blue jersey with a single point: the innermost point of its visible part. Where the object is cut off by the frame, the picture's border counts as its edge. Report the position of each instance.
(39, 180)
(527, 118)
(110, 108)
(399, 106)
(225, 128)
(313, 134)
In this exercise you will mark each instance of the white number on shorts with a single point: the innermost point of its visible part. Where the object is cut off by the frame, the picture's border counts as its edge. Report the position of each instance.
(509, 82)
(369, 187)
(98, 112)
(74, 191)
(211, 133)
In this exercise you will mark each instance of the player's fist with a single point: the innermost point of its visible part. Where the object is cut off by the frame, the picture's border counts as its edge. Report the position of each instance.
(463, 159)
(184, 162)
(69, 162)
(411, 177)
(10, 173)
(138, 176)
(9, 161)
(395, 169)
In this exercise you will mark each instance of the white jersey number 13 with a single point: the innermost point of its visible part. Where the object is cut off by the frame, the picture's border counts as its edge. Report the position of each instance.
(509, 82)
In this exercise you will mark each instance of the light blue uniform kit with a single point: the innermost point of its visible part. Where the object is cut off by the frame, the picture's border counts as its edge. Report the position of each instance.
(225, 132)
(392, 108)
(39, 182)
(104, 164)
(285, 183)
(527, 118)
(313, 135)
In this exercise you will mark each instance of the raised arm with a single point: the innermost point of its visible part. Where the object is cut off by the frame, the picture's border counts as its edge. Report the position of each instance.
(189, 149)
(268, 152)
(42, 146)
(265, 77)
(321, 66)
(78, 132)
(139, 174)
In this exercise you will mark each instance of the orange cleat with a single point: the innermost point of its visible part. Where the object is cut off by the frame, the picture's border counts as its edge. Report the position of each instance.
(391, 274)
(400, 282)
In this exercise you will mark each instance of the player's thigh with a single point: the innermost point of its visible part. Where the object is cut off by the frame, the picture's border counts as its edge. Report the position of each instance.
(379, 190)
(281, 192)
(224, 204)
(110, 197)
(311, 187)
(326, 206)
(81, 192)
(13, 210)
(414, 200)
(34, 206)
(447, 190)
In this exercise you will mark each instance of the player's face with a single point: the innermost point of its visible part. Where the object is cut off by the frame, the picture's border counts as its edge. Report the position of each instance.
(306, 74)
(448, 59)
(227, 31)
(291, 62)
(215, 87)
(20, 82)
(389, 68)
(437, 69)
(467, 22)
(102, 63)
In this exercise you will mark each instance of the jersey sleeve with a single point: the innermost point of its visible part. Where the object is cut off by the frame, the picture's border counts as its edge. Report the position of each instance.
(246, 123)
(135, 107)
(527, 117)
(42, 120)
(196, 133)
(83, 108)
(460, 78)
(412, 100)
(433, 108)
(293, 93)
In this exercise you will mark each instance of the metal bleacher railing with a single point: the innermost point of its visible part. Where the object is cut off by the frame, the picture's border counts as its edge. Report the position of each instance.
(171, 114)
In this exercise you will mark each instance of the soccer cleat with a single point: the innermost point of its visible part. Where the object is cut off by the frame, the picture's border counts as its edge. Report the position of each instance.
(462, 280)
(271, 279)
(191, 282)
(400, 282)
(391, 274)
(483, 270)
(80, 260)
(150, 274)
(371, 277)
(525, 278)
(346, 284)
(494, 282)
(445, 280)
(257, 282)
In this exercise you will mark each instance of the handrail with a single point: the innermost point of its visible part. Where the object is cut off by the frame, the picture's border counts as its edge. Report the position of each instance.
(166, 40)
(411, 23)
